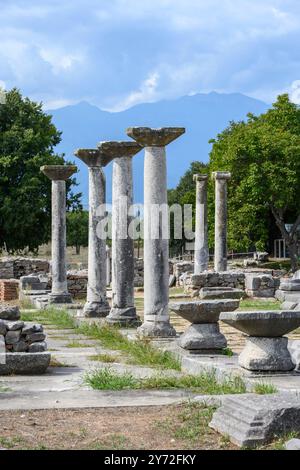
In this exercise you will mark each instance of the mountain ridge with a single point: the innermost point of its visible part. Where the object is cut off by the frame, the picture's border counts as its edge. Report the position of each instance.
(84, 125)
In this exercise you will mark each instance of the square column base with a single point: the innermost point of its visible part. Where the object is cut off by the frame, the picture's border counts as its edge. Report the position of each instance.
(156, 330)
(96, 309)
(205, 336)
(123, 317)
(64, 298)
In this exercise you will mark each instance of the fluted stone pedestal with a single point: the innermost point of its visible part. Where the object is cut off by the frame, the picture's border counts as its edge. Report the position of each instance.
(201, 231)
(58, 174)
(156, 242)
(203, 335)
(221, 178)
(266, 348)
(123, 311)
(96, 304)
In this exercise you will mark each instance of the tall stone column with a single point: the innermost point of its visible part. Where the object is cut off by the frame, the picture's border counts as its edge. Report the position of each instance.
(123, 311)
(108, 267)
(201, 257)
(156, 240)
(221, 178)
(96, 304)
(58, 174)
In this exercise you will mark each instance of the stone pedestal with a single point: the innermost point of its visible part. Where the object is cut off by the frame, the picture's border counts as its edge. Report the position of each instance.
(266, 354)
(123, 311)
(221, 179)
(203, 335)
(266, 347)
(58, 175)
(201, 230)
(96, 304)
(156, 238)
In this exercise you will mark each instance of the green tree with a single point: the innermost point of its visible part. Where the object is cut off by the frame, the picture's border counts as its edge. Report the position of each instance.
(27, 141)
(263, 156)
(77, 229)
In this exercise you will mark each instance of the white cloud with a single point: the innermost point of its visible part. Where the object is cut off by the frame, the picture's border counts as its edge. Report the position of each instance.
(146, 93)
(295, 92)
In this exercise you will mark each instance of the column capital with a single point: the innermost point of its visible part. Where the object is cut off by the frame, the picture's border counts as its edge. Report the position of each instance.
(149, 137)
(199, 177)
(221, 175)
(58, 172)
(93, 158)
(119, 149)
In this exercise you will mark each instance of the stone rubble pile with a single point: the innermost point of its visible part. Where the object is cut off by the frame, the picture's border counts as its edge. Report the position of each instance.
(17, 337)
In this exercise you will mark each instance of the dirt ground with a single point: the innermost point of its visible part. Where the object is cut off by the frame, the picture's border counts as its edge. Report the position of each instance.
(150, 428)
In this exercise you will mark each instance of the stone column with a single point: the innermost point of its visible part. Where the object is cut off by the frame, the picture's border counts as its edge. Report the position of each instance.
(58, 174)
(201, 257)
(221, 178)
(96, 304)
(123, 311)
(108, 267)
(156, 242)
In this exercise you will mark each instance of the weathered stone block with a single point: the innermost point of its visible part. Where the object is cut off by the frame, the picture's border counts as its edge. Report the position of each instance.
(24, 363)
(37, 347)
(203, 337)
(9, 313)
(12, 337)
(253, 420)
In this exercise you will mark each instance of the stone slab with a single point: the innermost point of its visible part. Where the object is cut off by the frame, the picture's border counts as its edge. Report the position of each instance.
(254, 420)
(207, 293)
(24, 363)
(263, 323)
(203, 311)
(292, 444)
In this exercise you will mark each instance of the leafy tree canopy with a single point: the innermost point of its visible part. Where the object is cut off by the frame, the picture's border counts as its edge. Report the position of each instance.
(263, 156)
(78, 229)
(27, 141)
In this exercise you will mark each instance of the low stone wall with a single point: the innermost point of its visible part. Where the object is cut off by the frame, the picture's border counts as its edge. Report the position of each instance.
(255, 284)
(18, 337)
(14, 268)
(9, 290)
(77, 283)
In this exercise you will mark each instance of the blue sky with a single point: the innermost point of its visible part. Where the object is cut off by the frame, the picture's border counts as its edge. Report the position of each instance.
(118, 53)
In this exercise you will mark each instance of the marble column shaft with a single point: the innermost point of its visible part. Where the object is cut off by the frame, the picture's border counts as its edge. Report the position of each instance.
(201, 257)
(59, 174)
(156, 242)
(221, 179)
(96, 304)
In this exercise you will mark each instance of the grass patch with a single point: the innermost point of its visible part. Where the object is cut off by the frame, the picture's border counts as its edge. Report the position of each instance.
(263, 388)
(103, 358)
(106, 379)
(10, 442)
(78, 344)
(249, 304)
(51, 316)
(4, 389)
(205, 383)
(140, 352)
(227, 352)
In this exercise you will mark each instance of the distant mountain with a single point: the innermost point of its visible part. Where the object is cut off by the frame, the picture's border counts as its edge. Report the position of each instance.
(203, 115)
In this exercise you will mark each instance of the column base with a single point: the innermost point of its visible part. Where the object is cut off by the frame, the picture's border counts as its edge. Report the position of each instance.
(60, 298)
(96, 309)
(156, 330)
(123, 317)
(204, 336)
(266, 354)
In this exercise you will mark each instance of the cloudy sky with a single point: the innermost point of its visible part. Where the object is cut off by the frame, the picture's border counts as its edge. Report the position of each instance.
(118, 53)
